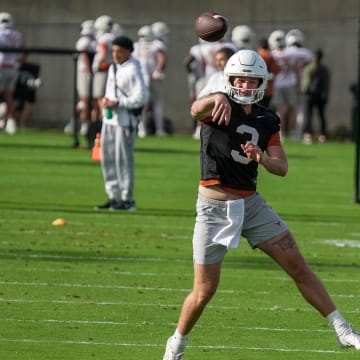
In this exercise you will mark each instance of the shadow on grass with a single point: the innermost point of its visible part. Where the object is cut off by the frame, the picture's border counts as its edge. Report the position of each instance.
(244, 262)
(268, 263)
(35, 146)
(76, 257)
(166, 151)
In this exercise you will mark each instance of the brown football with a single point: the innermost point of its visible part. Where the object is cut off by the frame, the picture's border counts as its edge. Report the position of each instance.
(211, 26)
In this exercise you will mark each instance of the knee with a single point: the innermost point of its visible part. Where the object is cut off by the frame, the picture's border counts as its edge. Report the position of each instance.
(203, 296)
(299, 270)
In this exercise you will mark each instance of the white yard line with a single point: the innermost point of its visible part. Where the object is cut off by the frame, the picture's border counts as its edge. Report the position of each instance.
(121, 323)
(158, 305)
(135, 345)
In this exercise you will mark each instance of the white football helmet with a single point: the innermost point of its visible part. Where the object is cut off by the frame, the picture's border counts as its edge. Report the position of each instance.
(294, 37)
(103, 24)
(145, 33)
(160, 30)
(246, 63)
(117, 30)
(243, 37)
(87, 28)
(277, 39)
(6, 20)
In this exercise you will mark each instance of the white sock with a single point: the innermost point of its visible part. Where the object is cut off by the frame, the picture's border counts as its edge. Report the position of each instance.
(178, 342)
(336, 319)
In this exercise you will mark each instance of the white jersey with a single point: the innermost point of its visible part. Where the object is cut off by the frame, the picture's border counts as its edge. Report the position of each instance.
(160, 45)
(303, 57)
(104, 45)
(9, 38)
(208, 51)
(145, 52)
(287, 60)
(198, 65)
(84, 43)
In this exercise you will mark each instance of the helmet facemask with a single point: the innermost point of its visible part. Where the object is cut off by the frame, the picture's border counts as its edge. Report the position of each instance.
(246, 63)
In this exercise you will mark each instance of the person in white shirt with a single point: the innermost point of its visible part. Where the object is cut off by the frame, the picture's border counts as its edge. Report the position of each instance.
(8, 62)
(125, 93)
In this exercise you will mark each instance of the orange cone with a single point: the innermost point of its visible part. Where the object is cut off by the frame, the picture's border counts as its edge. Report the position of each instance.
(96, 150)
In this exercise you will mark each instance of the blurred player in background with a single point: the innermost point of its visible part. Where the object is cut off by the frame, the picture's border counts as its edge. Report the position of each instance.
(243, 37)
(27, 82)
(9, 37)
(104, 37)
(161, 33)
(285, 92)
(201, 65)
(86, 106)
(273, 69)
(315, 86)
(294, 40)
(217, 81)
(145, 52)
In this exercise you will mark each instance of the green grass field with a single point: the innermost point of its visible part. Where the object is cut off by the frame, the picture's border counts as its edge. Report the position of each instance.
(109, 285)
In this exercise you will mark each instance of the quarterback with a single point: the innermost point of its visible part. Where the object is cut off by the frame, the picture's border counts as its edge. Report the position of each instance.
(238, 136)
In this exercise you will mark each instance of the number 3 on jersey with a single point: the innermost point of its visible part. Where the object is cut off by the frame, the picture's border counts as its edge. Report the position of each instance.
(254, 138)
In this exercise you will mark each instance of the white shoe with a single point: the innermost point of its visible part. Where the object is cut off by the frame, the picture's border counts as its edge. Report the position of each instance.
(141, 130)
(10, 127)
(169, 354)
(69, 127)
(347, 336)
(196, 134)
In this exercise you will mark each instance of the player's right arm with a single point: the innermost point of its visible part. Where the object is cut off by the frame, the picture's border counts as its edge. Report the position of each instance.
(215, 108)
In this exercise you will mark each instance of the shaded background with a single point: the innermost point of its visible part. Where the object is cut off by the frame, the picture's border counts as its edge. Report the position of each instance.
(329, 24)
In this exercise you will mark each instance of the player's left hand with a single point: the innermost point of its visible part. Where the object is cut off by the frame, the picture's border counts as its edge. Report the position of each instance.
(252, 151)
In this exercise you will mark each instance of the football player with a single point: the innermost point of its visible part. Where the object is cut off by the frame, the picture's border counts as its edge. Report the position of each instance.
(237, 137)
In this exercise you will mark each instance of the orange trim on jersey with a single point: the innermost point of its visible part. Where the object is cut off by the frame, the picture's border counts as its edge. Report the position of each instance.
(103, 46)
(206, 120)
(242, 193)
(104, 66)
(274, 140)
(210, 182)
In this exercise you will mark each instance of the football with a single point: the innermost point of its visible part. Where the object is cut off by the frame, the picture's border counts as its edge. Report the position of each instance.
(211, 26)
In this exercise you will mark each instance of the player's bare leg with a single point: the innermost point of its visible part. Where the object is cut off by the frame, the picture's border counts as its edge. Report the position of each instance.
(206, 281)
(284, 251)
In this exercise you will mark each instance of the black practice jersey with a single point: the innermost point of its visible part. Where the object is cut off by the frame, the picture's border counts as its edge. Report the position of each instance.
(222, 158)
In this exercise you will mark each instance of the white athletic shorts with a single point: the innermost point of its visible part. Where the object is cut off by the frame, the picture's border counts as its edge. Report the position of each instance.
(99, 84)
(83, 84)
(7, 79)
(220, 224)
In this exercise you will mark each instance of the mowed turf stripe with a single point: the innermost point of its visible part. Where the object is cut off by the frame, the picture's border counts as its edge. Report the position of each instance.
(122, 323)
(137, 345)
(132, 304)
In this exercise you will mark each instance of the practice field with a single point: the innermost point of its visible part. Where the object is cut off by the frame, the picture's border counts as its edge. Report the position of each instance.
(109, 285)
